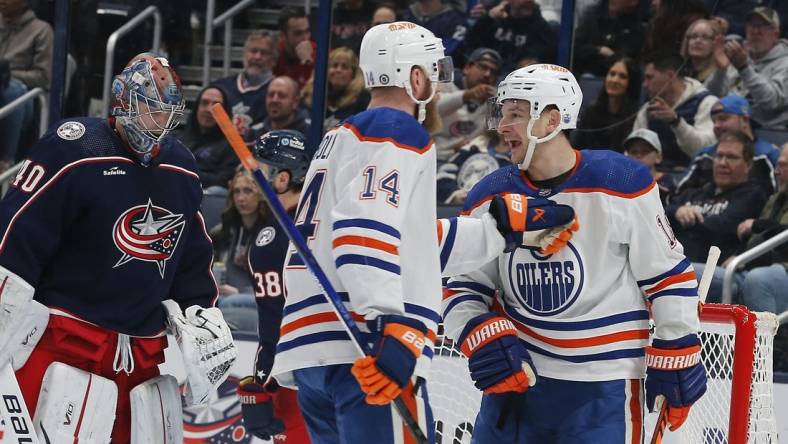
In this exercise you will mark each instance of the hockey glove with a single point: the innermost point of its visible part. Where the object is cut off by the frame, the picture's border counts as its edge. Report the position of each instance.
(674, 370)
(497, 358)
(257, 408)
(535, 222)
(383, 375)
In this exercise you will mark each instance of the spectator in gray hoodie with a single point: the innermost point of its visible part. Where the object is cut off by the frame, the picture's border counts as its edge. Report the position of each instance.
(761, 72)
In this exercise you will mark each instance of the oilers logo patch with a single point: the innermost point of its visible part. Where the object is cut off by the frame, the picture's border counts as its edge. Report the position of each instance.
(265, 237)
(71, 130)
(147, 233)
(546, 285)
(474, 169)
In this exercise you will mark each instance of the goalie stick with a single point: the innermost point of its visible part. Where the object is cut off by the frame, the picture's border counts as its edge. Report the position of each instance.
(703, 289)
(249, 162)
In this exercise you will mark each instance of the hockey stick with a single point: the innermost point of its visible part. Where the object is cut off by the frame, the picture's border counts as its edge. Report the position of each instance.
(703, 289)
(13, 410)
(251, 165)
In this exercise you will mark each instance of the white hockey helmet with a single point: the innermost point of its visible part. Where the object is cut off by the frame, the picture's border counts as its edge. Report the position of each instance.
(390, 50)
(540, 85)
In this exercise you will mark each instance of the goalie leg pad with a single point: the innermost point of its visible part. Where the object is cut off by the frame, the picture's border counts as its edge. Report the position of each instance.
(156, 414)
(22, 320)
(75, 406)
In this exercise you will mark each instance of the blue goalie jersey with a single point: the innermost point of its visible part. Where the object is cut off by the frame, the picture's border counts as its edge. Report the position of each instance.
(101, 237)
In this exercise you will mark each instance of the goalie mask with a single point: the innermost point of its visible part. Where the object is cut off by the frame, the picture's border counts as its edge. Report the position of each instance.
(540, 86)
(284, 150)
(390, 50)
(147, 103)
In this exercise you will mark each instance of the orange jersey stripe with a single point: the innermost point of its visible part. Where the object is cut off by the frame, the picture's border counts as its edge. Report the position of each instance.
(440, 231)
(634, 411)
(366, 242)
(611, 192)
(675, 279)
(364, 138)
(316, 318)
(609, 338)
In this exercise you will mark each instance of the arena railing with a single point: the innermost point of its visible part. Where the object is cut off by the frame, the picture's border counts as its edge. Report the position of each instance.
(225, 19)
(113, 40)
(745, 258)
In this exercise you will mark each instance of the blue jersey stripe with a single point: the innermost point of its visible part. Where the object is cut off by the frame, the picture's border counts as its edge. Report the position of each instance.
(460, 299)
(473, 286)
(310, 301)
(369, 224)
(675, 270)
(312, 338)
(449, 244)
(604, 356)
(423, 312)
(637, 315)
(357, 259)
(684, 292)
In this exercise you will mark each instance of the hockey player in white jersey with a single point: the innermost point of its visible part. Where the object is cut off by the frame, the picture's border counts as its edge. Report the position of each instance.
(558, 340)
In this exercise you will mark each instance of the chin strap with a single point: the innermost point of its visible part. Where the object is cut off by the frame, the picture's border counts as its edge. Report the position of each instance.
(533, 140)
(422, 103)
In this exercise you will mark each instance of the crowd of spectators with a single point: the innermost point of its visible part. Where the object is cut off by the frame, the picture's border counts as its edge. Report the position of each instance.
(684, 86)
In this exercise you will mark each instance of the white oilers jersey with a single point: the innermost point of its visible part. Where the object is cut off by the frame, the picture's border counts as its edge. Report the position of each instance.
(367, 210)
(583, 312)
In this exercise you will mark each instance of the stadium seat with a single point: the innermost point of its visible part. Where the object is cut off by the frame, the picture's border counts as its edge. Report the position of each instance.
(773, 135)
(590, 86)
(214, 200)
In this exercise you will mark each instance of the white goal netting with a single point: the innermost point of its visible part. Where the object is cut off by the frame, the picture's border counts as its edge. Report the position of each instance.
(455, 401)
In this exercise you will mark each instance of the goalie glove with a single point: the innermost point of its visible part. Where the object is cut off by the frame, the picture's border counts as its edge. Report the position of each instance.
(257, 408)
(534, 222)
(674, 370)
(383, 375)
(497, 358)
(207, 347)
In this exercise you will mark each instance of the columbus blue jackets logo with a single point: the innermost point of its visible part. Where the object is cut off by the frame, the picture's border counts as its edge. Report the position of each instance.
(265, 236)
(546, 285)
(147, 233)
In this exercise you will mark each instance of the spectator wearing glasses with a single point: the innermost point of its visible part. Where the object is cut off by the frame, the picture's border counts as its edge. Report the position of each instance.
(732, 113)
(462, 104)
(711, 215)
(246, 90)
(761, 69)
(703, 43)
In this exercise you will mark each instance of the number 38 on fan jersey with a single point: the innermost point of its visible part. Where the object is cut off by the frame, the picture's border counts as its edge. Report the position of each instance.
(367, 210)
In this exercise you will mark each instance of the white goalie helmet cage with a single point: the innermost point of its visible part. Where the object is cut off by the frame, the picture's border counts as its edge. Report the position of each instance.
(390, 50)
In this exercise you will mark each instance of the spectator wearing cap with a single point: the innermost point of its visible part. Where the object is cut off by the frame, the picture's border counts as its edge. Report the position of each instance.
(462, 104)
(445, 22)
(732, 113)
(710, 215)
(643, 145)
(517, 30)
(678, 110)
(761, 69)
(615, 27)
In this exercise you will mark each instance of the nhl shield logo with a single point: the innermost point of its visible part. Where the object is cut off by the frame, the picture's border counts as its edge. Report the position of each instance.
(546, 285)
(147, 233)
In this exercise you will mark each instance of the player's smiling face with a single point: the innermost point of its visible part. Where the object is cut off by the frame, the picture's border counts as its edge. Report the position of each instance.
(515, 115)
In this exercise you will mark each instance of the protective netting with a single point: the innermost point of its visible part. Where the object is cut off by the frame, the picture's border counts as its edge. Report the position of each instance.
(453, 398)
(709, 418)
(455, 401)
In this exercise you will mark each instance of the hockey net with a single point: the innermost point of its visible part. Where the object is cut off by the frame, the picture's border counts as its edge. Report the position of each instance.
(736, 409)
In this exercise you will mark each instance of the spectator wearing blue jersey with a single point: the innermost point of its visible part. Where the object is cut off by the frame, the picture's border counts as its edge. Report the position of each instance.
(246, 91)
(445, 22)
(517, 30)
(732, 113)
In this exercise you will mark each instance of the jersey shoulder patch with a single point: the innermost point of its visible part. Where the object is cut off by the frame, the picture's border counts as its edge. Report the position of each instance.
(265, 236)
(71, 130)
(389, 125)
